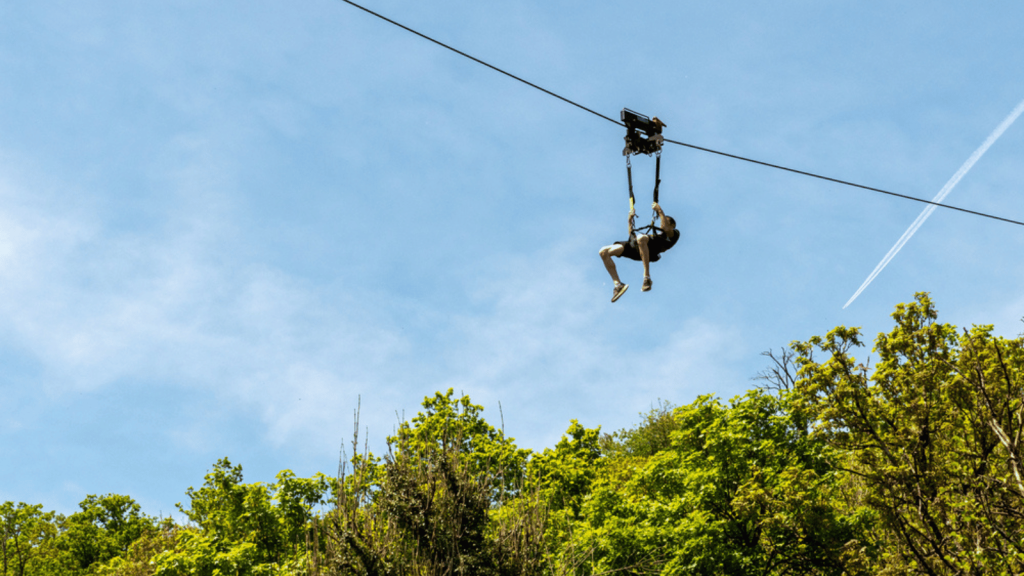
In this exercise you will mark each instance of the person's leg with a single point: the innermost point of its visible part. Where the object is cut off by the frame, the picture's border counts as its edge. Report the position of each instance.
(645, 257)
(645, 254)
(606, 255)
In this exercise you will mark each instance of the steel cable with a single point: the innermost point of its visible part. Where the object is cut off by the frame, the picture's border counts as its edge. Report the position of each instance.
(695, 147)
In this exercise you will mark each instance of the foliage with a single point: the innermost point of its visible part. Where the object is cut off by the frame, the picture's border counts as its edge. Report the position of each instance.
(933, 436)
(25, 534)
(653, 435)
(448, 422)
(243, 529)
(104, 528)
(42, 543)
(564, 474)
(138, 560)
(432, 505)
(740, 489)
(830, 467)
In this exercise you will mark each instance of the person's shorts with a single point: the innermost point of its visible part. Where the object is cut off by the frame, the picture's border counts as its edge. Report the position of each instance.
(634, 253)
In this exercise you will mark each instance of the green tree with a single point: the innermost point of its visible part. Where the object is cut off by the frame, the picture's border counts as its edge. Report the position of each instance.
(243, 529)
(740, 489)
(138, 560)
(651, 436)
(433, 504)
(25, 534)
(564, 475)
(105, 527)
(933, 436)
(445, 422)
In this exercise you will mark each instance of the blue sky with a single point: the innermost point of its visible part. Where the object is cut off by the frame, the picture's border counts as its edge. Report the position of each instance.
(222, 224)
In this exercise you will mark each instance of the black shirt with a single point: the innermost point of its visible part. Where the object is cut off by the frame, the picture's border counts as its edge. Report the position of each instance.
(661, 242)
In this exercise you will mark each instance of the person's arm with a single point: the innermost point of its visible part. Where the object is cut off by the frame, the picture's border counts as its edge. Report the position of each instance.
(666, 226)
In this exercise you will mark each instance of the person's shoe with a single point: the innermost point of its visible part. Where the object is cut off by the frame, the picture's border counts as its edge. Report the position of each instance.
(618, 291)
(647, 284)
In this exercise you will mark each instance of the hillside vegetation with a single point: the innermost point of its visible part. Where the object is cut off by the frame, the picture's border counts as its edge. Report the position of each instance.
(911, 465)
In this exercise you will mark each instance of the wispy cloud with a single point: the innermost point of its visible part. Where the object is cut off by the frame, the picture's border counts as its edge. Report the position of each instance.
(96, 308)
(183, 305)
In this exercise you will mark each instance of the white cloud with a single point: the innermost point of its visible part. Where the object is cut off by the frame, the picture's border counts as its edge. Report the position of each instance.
(185, 306)
(99, 309)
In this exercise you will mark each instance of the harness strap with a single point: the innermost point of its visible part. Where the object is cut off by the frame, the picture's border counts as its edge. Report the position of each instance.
(632, 201)
(650, 228)
(629, 176)
(657, 174)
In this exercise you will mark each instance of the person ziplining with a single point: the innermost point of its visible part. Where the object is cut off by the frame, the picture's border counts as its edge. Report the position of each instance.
(646, 243)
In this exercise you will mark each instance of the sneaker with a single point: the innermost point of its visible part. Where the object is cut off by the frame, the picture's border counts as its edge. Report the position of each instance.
(647, 284)
(618, 291)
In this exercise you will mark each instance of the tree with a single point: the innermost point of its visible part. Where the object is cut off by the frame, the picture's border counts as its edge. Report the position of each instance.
(138, 560)
(243, 528)
(104, 528)
(653, 435)
(933, 436)
(25, 532)
(445, 422)
(740, 489)
(433, 503)
(564, 475)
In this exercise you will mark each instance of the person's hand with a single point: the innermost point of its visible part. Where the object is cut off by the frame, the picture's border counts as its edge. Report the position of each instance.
(632, 213)
(654, 205)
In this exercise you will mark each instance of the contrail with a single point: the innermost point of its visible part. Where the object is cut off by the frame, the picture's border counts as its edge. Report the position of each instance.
(940, 196)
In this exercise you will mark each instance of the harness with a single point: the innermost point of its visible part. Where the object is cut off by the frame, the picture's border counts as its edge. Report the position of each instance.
(643, 136)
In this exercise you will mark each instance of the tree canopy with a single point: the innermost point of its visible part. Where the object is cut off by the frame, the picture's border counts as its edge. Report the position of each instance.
(831, 466)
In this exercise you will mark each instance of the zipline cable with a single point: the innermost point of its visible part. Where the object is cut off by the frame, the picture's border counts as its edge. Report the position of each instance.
(845, 183)
(479, 61)
(695, 147)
